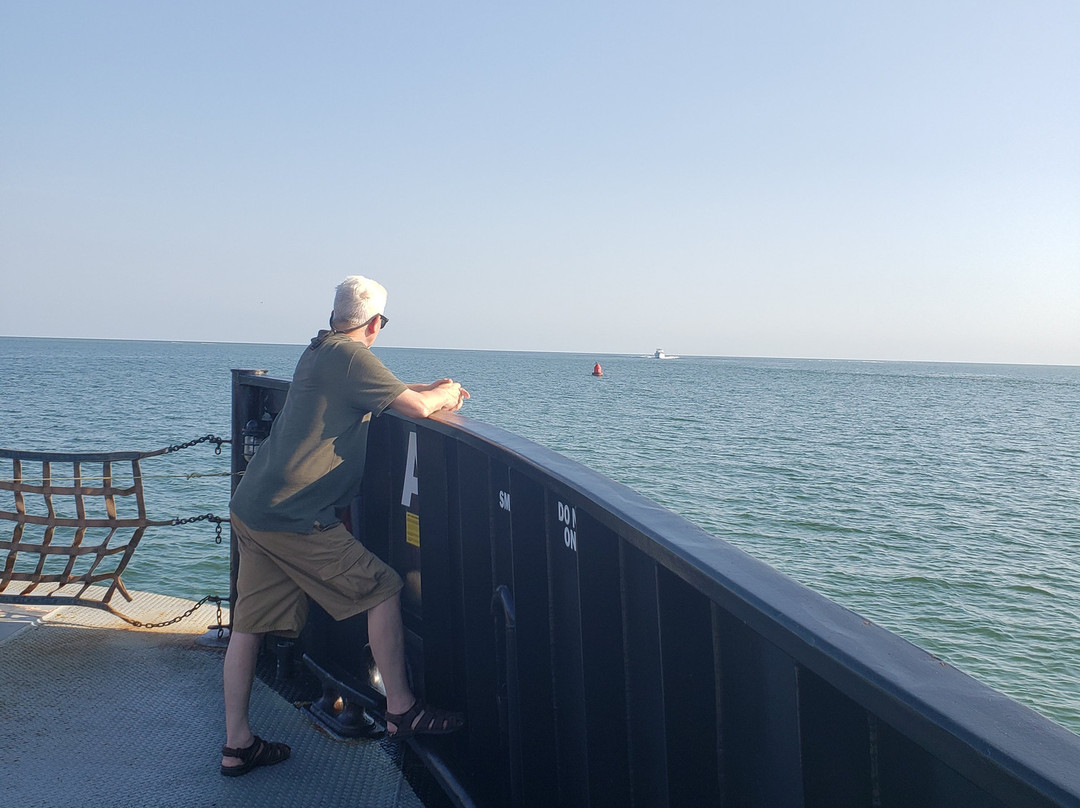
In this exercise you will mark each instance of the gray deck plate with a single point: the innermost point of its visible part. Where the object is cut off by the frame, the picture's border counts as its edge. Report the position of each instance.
(95, 712)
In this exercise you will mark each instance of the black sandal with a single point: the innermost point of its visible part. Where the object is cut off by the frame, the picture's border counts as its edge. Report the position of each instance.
(421, 720)
(260, 753)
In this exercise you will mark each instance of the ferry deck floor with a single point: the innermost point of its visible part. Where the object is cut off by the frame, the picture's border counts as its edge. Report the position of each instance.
(95, 712)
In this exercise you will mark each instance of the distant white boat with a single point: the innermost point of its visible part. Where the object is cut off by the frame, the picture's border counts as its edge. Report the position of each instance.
(659, 354)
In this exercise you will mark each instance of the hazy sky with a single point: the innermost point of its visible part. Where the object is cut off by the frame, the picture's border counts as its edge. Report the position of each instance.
(863, 179)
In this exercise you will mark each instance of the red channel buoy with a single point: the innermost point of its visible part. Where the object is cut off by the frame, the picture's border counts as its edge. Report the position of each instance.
(597, 370)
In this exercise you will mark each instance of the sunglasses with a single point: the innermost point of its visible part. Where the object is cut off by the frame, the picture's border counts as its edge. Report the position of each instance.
(383, 320)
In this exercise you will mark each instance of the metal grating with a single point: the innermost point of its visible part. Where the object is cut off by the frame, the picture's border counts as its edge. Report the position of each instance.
(96, 713)
(75, 519)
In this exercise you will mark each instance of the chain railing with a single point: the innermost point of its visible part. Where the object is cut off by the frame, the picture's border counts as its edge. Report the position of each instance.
(206, 517)
(173, 621)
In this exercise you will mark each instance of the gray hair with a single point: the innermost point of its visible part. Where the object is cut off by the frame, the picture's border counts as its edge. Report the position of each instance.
(357, 300)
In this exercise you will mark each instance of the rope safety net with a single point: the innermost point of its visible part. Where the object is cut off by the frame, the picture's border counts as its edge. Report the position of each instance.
(76, 522)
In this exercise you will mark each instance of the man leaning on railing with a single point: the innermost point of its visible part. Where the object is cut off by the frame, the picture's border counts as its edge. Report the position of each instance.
(291, 541)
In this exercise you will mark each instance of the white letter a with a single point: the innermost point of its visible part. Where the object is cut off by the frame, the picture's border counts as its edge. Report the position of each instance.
(412, 482)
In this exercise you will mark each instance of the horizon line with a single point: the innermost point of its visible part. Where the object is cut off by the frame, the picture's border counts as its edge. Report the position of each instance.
(576, 352)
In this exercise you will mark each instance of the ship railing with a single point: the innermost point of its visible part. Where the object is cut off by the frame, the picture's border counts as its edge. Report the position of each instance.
(608, 652)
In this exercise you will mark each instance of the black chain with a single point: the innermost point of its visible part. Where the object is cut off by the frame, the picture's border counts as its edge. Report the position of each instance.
(204, 439)
(209, 517)
(206, 517)
(175, 620)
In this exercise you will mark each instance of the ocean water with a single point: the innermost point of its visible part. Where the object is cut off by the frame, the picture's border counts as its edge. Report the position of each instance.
(941, 501)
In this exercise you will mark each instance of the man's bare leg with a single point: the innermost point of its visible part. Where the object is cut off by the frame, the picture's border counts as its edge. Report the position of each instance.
(238, 675)
(386, 634)
(387, 638)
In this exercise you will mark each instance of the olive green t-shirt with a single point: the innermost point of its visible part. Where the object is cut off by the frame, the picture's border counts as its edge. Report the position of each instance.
(313, 461)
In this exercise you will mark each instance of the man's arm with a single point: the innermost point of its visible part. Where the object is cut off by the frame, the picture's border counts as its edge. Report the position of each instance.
(421, 400)
(420, 388)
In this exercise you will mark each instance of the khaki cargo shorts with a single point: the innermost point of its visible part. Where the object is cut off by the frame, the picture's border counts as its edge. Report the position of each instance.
(279, 571)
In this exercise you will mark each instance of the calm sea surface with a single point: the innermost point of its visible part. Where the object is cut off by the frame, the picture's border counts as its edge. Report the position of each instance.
(941, 501)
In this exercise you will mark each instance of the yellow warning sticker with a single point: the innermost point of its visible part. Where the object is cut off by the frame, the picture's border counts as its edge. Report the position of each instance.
(412, 528)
